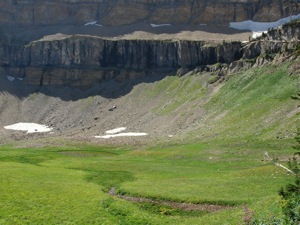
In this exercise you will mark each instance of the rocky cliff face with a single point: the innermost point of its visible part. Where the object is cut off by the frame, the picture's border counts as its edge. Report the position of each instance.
(84, 60)
(282, 40)
(119, 12)
(275, 46)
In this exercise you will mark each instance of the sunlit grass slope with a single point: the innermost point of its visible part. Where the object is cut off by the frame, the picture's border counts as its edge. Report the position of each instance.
(70, 185)
(222, 161)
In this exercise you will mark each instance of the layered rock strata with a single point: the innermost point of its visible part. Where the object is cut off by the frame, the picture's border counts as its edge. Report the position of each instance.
(274, 46)
(83, 60)
(120, 12)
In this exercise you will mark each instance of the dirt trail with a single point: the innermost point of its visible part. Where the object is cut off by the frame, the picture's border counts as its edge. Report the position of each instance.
(175, 205)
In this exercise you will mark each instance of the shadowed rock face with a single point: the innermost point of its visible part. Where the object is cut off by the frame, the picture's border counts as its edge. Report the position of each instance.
(120, 12)
(83, 60)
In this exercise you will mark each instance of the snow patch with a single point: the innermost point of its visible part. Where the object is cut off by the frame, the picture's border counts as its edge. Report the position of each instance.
(90, 23)
(261, 26)
(29, 127)
(116, 130)
(257, 34)
(93, 23)
(160, 25)
(130, 134)
(10, 78)
(116, 133)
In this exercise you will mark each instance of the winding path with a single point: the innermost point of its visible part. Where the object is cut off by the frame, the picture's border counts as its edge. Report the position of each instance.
(176, 205)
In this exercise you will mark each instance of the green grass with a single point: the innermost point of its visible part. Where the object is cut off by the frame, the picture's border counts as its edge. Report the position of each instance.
(221, 162)
(256, 103)
(175, 92)
(46, 186)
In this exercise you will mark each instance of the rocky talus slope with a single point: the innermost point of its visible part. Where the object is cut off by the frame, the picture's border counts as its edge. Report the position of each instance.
(213, 96)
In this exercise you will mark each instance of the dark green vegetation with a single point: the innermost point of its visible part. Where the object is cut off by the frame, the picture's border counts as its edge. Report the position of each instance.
(291, 192)
(290, 198)
(222, 161)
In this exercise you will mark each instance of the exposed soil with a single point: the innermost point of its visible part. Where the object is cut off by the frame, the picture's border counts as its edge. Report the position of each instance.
(175, 205)
(81, 115)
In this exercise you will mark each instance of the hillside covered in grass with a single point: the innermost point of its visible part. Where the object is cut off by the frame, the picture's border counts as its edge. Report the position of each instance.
(216, 156)
(212, 136)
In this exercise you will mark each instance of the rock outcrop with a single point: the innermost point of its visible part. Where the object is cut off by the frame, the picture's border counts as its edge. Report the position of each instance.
(119, 12)
(274, 46)
(281, 40)
(83, 60)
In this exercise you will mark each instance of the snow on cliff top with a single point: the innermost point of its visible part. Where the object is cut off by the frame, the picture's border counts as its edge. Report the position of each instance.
(261, 26)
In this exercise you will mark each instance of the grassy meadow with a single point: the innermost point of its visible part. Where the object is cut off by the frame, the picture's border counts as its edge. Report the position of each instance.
(69, 185)
(222, 162)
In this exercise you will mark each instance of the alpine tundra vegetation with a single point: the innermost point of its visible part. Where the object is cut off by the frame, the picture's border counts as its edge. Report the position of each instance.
(149, 112)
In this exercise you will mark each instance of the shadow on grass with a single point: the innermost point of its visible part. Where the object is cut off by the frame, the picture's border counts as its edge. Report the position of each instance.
(108, 179)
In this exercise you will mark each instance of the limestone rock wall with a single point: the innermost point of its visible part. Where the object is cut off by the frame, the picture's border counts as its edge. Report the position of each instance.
(119, 12)
(83, 60)
(283, 39)
(275, 46)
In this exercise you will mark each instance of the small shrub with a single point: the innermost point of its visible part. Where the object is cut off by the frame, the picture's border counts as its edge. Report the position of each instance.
(213, 79)
(249, 218)
(290, 194)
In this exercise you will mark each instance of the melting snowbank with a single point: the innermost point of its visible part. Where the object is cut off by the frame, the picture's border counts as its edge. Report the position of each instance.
(261, 26)
(159, 25)
(116, 133)
(93, 23)
(10, 78)
(130, 134)
(29, 127)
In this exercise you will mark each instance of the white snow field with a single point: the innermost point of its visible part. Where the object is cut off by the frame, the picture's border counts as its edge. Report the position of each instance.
(116, 133)
(93, 23)
(29, 127)
(10, 78)
(261, 26)
(116, 130)
(129, 134)
(160, 25)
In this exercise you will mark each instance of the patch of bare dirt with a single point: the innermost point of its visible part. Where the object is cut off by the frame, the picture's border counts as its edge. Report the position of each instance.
(175, 205)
